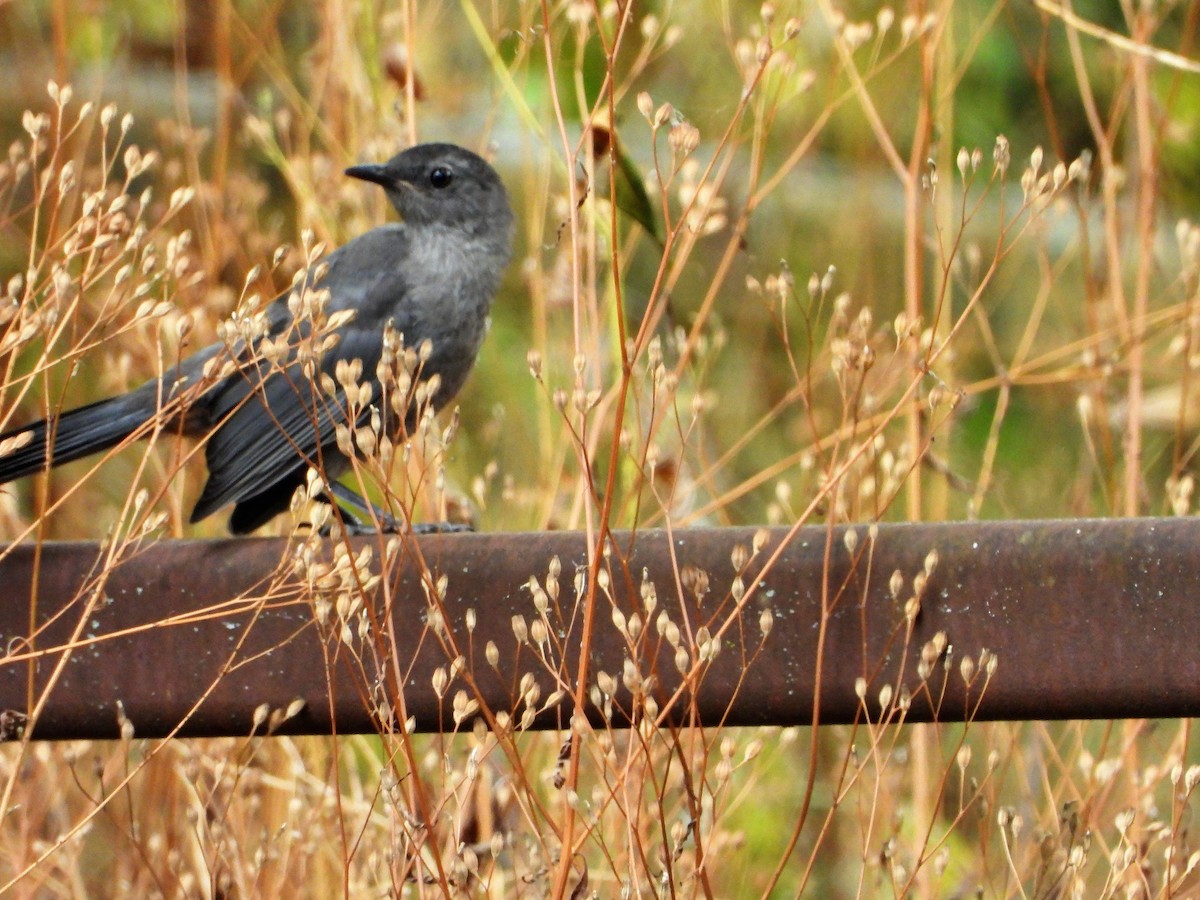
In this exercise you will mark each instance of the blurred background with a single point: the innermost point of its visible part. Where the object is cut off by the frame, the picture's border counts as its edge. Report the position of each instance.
(259, 106)
(778, 263)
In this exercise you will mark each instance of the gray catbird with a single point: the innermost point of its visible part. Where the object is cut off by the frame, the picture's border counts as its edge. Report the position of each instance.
(431, 278)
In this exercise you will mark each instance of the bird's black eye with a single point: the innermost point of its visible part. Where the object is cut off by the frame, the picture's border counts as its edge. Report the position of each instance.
(441, 177)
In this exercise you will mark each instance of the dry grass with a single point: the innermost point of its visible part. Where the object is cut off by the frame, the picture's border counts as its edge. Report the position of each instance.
(715, 335)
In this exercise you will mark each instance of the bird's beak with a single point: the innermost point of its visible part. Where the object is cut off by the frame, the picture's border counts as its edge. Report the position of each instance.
(374, 173)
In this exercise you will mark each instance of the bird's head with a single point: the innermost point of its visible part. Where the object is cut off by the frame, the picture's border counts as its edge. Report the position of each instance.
(442, 184)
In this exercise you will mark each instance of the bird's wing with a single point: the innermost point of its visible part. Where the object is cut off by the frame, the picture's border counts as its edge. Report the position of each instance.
(271, 424)
(270, 421)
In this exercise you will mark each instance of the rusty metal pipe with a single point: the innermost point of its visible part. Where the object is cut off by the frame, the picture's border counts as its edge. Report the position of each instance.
(1085, 618)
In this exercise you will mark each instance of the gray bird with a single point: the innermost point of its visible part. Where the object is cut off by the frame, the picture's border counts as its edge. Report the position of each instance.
(431, 277)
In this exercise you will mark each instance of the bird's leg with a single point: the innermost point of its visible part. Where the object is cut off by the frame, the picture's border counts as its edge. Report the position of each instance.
(389, 524)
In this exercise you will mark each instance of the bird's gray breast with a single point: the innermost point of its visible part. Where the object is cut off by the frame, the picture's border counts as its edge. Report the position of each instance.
(432, 283)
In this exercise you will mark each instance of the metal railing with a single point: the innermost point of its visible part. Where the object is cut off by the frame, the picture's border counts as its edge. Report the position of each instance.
(998, 620)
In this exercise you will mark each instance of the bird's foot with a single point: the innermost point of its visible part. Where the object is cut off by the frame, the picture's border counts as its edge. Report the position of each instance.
(354, 527)
(442, 528)
(392, 525)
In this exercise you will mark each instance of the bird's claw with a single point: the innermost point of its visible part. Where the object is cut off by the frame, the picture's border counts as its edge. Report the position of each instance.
(391, 525)
(442, 528)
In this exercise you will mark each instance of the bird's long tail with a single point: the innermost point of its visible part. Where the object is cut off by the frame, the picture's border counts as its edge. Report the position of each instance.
(77, 433)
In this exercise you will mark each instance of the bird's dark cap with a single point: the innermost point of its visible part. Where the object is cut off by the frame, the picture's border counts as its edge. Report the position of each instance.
(375, 173)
